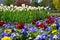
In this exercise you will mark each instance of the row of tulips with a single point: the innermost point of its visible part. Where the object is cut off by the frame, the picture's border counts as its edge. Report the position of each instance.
(21, 8)
(21, 13)
(43, 29)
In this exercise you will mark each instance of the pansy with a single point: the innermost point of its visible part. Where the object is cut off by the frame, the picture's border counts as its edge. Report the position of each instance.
(6, 38)
(55, 36)
(1, 35)
(51, 37)
(48, 17)
(41, 30)
(48, 29)
(50, 21)
(54, 31)
(4, 34)
(38, 24)
(42, 25)
(58, 35)
(21, 25)
(32, 28)
(2, 23)
(16, 23)
(8, 31)
(44, 35)
(34, 21)
(58, 19)
(57, 25)
(14, 35)
(53, 25)
(23, 31)
(26, 26)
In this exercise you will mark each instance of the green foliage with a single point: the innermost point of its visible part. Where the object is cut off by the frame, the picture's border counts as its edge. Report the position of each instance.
(8, 2)
(22, 16)
(53, 7)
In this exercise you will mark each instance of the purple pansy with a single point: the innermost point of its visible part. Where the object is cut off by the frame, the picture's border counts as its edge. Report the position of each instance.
(41, 30)
(38, 22)
(23, 31)
(51, 37)
(58, 35)
(14, 35)
(48, 29)
(32, 28)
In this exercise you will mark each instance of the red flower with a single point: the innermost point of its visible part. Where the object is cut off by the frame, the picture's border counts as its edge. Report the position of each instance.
(2, 23)
(49, 21)
(48, 17)
(42, 25)
(52, 20)
(21, 25)
(16, 23)
(34, 21)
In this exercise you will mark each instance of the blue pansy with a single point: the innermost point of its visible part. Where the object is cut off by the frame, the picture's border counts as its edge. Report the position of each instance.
(51, 37)
(23, 31)
(9, 23)
(44, 36)
(38, 22)
(13, 35)
(48, 29)
(25, 25)
(41, 30)
(1, 35)
(6, 34)
(12, 27)
(58, 35)
(32, 28)
(57, 25)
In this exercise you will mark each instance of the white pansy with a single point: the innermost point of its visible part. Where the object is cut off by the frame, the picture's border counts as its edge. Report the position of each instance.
(30, 37)
(55, 36)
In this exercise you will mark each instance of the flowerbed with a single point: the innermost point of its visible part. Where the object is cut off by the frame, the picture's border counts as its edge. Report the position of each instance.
(46, 29)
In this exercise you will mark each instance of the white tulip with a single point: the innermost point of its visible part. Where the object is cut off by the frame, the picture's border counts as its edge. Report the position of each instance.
(45, 8)
(8, 7)
(1, 4)
(41, 7)
(15, 6)
(23, 5)
(11, 5)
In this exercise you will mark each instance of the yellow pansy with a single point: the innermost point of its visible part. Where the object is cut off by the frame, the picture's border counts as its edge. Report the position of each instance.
(53, 25)
(6, 38)
(54, 31)
(8, 30)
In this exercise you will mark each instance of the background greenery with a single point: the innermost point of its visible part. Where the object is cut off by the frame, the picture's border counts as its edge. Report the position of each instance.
(8, 2)
(22, 16)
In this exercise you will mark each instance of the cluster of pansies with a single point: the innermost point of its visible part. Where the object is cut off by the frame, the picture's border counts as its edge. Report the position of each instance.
(43, 29)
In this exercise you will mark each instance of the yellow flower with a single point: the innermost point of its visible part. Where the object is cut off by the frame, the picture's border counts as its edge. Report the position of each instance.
(54, 31)
(53, 25)
(6, 38)
(8, 30)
